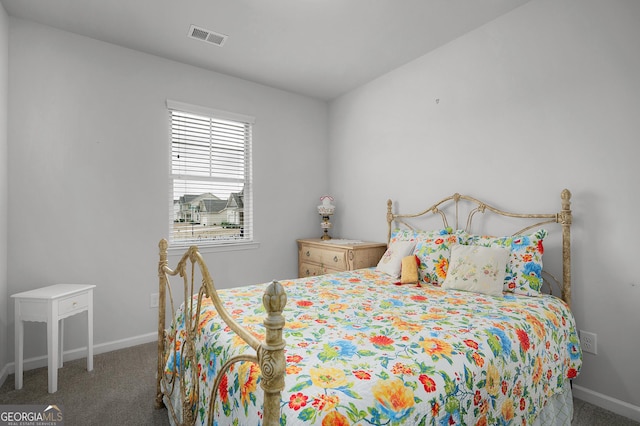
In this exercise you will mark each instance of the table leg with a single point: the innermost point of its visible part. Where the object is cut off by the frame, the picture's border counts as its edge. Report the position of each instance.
(19, 349)
(52, 347)
(90, 332)
(61, 343)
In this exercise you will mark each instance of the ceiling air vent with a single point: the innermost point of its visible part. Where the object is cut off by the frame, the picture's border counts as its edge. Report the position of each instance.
(208, 36)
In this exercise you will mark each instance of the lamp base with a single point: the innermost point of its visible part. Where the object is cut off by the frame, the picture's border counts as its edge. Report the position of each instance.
(325, 224)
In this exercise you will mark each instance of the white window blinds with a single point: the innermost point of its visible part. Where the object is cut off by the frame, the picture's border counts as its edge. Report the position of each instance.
(210, 176)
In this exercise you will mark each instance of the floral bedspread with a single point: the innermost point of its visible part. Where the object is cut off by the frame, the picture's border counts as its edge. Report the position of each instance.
(362, 350)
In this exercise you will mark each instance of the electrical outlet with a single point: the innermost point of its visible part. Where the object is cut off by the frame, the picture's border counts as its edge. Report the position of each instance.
(589, 342)
(154, 300)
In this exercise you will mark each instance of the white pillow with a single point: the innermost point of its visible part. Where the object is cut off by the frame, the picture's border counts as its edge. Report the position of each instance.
(392, 259)
(476, 268)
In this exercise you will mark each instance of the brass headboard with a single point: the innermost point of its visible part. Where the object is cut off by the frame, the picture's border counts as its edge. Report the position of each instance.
(563, 217)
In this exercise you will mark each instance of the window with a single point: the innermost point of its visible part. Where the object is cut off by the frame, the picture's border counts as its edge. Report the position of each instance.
(210, 176)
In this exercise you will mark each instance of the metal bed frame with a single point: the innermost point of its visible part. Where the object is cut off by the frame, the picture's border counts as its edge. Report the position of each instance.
(269, 354)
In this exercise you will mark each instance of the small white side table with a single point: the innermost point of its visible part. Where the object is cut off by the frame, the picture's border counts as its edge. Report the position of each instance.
(51, 305)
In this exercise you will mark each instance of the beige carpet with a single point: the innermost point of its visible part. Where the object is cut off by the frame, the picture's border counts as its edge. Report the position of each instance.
(121, 388)
(119, 391)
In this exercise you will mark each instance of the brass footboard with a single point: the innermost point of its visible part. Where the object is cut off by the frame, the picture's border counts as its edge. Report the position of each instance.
(269, 353)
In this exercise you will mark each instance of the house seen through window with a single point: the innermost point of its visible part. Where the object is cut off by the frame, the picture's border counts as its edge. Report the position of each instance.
(210, 176)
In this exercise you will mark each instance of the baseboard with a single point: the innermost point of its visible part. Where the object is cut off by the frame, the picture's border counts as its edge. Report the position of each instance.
(70, 355)
(608, 403)
(124, 343)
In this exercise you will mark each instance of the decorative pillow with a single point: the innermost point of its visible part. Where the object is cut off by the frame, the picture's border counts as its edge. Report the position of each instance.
(477, 268)
(524, 269)
(402, 234)
(392, 258)
(409, 269)
(433, 249)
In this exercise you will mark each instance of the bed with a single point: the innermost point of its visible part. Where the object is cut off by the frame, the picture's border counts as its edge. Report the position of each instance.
(479, 333)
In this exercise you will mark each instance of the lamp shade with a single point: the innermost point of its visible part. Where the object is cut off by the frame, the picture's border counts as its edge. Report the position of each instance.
(326, 208)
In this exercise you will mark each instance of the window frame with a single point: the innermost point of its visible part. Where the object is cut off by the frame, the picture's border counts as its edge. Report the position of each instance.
(213, 245)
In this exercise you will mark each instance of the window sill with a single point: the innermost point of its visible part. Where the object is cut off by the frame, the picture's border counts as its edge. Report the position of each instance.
(217, 248)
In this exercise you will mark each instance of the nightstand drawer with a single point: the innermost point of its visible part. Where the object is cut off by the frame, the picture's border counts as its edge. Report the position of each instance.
(313, 269)
(73, 303)
(334, 259)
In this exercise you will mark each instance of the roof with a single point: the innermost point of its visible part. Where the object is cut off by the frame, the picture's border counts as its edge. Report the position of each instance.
(236, 200)
(213, 206)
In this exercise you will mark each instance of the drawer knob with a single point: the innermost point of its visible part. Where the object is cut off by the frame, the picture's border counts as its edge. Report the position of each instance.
(74, 304)
(308, 253)
(335, 258)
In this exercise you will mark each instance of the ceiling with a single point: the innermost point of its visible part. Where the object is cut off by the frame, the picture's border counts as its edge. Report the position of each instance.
(318, 48)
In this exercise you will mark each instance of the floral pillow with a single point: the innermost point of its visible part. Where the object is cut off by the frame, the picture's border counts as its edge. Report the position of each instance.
(524, 269)
(477, 268)
(391, 260)
(403, 234)
(433, 248)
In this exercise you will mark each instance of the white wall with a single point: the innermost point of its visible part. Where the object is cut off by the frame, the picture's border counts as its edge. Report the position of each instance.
(88, 176)
(4, 186)
(543, 98)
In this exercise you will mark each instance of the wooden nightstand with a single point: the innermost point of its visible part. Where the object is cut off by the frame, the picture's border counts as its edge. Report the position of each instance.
(318, 257)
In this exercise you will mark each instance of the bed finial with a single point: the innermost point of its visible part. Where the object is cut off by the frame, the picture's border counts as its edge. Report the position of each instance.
(163, 245)
(566, 201)
(274, 299)
(389, 218)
